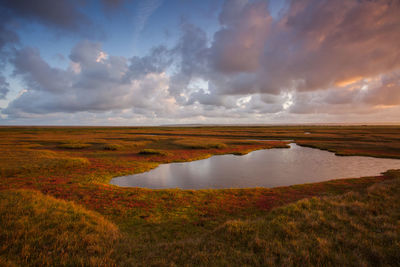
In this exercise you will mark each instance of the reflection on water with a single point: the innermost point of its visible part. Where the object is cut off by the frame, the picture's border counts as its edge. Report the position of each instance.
(262, 168)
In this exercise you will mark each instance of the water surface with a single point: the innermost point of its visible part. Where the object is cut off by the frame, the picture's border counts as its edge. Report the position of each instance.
(262, 168)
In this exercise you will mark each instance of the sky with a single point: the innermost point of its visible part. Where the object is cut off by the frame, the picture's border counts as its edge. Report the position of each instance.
(157, 62)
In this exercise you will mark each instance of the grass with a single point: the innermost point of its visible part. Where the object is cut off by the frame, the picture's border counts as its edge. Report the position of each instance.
(38, 230)
(73, 145)
(199, 144)
(47, 184)
(151, 152)
(35, 162)
(112, 147)
(354, 229)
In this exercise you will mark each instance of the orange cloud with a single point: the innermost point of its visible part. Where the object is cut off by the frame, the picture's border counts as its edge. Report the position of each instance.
(349, 81)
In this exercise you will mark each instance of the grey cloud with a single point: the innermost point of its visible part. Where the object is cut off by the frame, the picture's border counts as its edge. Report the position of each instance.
(64, 14)
(94, 82)
(159, 59)
(237, 47)
(85, 52)
(60, 15)
(191, 60)
(204, 98)
(265, 104)
(113, 3)
(4, 87)
(37, 74)
(8, 40)
(231, 10)
(7, 36)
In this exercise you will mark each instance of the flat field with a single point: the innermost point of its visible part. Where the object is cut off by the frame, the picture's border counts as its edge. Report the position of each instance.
(57, 207)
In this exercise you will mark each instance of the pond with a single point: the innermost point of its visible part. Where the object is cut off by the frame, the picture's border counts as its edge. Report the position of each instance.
(261, 168)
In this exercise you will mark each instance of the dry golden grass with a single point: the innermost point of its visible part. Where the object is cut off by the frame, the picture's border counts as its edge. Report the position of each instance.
(28, 161)
(6, 263)
(199, 144)
(38, 230)
(354, 229)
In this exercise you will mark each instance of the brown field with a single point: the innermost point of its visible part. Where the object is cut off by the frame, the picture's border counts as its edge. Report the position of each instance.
(57, 207)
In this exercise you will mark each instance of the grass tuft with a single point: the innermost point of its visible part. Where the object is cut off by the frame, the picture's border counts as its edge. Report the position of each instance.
(148, 151)
(112, 147)
(74, 145)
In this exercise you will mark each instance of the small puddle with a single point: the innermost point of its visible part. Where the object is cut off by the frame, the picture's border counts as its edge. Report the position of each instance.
(261, 168)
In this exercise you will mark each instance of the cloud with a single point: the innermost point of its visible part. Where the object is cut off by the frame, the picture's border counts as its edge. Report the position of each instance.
(4, 87)
(190, 60)
(318, 50)
(313, 46)
(238, 46)
(8, 40)
(364, 97)
(316, 57)
(63, 14)
(94, 82)
(59, 15)
(113, 3)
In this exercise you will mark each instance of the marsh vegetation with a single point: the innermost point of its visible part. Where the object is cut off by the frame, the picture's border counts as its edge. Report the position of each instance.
(345, 221)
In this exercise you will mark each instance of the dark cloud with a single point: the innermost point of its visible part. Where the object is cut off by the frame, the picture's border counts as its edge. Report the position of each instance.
(63, 14)
(113, 3)
(60, 15)
(7, 36)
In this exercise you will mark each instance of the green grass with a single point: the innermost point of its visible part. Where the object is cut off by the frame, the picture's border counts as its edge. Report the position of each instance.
(38, 230)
